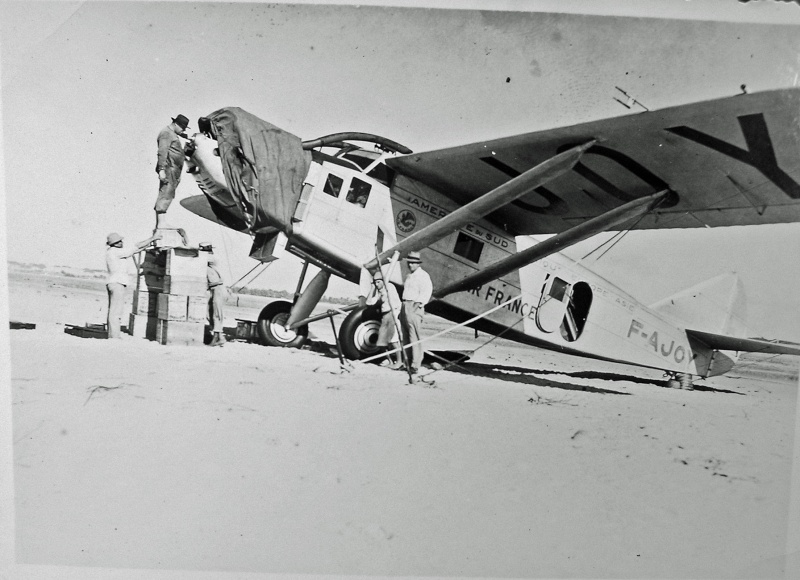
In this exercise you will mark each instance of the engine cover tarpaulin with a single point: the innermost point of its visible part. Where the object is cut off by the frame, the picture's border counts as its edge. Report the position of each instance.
(264, 167)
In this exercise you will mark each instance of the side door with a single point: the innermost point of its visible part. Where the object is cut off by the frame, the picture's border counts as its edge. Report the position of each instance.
(553, 304)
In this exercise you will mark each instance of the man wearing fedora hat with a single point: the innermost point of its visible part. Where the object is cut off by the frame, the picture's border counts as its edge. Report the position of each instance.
(169, 164)
(117, 279)
(417, 291)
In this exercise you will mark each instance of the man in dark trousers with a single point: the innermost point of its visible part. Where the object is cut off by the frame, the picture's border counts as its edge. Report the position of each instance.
(169, 165)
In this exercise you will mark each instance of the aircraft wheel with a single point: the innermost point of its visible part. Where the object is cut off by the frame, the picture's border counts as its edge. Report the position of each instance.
(271, 329)
(359, 333)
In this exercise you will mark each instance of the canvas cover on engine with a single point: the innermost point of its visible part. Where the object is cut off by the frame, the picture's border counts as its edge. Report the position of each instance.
(264, 167)
(731, 161)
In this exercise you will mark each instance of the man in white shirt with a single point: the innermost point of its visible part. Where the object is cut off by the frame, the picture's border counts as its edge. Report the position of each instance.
(417, 291)
(117, 278)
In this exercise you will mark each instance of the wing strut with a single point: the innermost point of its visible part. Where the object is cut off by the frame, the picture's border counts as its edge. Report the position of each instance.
(487, 203)
(576, 234)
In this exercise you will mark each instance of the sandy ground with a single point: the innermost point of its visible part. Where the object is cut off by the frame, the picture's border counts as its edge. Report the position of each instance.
(521, 463)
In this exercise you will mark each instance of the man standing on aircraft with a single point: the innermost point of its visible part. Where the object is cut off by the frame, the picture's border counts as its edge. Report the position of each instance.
(218, 294)
(117, 278)
(417, 291)
(169, 164)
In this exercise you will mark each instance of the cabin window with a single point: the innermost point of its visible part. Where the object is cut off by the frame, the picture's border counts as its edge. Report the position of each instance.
(558, 289)
(577, 312)
(468, 247)
(362, 158)
(333, 185)
(358, 194)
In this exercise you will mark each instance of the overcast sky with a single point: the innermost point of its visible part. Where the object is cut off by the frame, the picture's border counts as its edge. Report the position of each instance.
(87, 86)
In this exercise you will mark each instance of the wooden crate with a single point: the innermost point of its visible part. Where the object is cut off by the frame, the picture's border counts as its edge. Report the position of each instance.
(171, 332)
(186, 262)
(151, 282)
(185, 285)
(172, 307)
(197, 310)
(247, 330)
(145, 302)
(142, 326)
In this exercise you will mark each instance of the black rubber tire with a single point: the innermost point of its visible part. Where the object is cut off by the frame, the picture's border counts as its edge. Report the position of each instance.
(359, 332)
(271, 330)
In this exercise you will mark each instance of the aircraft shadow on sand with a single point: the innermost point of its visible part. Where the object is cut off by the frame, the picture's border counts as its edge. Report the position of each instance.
(523, 375)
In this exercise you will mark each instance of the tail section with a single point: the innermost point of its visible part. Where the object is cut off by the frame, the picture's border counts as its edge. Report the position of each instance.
(717, 306)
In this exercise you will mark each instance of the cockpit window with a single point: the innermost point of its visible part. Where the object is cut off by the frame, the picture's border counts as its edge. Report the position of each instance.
(382, 174)
(358, 193)
(362, 158)
(333, 185)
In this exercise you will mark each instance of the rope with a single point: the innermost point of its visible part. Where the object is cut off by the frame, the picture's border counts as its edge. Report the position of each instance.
(445, 331)
(455, 363)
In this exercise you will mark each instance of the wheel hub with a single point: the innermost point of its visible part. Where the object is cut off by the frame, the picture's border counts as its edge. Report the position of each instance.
(366, 337)
(279, 331)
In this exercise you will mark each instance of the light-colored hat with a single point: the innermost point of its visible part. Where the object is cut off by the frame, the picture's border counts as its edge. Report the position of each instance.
(414, 258)
(113, 238)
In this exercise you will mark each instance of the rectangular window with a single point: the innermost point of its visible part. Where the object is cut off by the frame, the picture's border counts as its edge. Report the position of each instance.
(333, 185)
(558, 289)
(468, 247)
(358, 194)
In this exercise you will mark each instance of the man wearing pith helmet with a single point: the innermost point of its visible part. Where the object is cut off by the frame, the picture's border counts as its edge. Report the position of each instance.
(117, 279)
(169, 165)
(417, 291)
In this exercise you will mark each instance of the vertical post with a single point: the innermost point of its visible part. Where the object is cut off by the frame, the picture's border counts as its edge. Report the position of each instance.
(300, 282)
(398, 329)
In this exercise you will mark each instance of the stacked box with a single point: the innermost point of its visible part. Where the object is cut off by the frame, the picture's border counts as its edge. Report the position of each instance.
(179, 332)
(197, 310)
(170, 303)
(145, 302)
(142, 326)
(185, 285)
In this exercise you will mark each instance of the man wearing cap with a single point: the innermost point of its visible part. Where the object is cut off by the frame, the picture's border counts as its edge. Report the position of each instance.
(386, 293)
(169, 164)
(417, 291)
(217, 288)
(117, 279)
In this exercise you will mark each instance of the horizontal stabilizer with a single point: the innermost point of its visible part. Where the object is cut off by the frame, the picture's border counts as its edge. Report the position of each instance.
(722, 342)
(202, 206)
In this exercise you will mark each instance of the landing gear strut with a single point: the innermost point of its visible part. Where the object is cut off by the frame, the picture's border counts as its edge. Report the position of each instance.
(679, 381)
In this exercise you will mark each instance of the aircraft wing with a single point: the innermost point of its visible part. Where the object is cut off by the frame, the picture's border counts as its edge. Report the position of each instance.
(731, 161)
(722, 342)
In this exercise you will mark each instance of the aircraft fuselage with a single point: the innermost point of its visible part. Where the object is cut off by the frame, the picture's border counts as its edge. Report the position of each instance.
(352, 206)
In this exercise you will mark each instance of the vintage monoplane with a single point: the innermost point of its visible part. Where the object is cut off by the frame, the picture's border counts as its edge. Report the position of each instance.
(471, 211)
